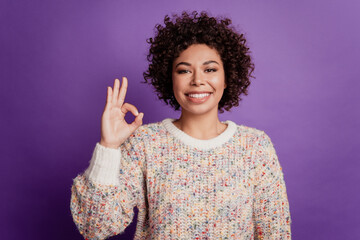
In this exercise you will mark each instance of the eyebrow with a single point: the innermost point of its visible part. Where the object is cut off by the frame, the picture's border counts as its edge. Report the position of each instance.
(188, 64)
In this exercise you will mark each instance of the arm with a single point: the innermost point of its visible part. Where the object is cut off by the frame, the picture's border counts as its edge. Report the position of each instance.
(103, 198)
(271, 207)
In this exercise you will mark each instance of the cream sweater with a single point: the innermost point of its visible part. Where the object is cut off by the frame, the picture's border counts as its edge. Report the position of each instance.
(228, 187)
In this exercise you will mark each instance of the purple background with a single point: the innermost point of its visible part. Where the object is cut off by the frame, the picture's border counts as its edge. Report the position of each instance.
(57, 57)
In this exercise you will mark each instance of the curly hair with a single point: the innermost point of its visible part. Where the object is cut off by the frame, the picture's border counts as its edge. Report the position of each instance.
(178, 34)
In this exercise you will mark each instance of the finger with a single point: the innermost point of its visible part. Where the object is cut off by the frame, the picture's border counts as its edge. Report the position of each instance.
(108, 98)
(123, 90)
(137, 122)
(109, 95)
(126, 107)
(115, 91)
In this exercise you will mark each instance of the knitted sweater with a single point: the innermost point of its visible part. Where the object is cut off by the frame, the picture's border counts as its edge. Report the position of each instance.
(228, 187)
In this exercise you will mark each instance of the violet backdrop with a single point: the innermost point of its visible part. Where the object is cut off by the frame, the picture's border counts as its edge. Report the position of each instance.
(58, 57)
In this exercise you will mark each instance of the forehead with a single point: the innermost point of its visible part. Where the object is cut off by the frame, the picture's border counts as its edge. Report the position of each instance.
(198, 53)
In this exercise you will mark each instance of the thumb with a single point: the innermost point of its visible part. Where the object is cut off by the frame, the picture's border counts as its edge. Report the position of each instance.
(137, 122)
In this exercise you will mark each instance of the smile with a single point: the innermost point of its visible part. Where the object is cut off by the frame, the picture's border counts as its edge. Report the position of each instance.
(198, 98)
(198, 95)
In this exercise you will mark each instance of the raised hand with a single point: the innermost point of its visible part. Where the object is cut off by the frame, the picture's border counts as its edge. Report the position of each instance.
(114, 129)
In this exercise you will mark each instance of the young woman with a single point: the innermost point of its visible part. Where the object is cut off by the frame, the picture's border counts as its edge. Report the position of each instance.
(194, 177)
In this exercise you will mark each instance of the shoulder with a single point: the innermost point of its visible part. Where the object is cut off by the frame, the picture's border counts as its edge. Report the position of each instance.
(141, 137)
(252, 137)
(147, 132)
(148, 129)
(249, 132)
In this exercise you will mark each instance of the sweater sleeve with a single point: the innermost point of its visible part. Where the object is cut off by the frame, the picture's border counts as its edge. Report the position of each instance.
(103, 197)
(271, 207)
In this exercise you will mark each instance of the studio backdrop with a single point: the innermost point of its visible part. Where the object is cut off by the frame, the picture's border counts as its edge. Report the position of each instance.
(58, 57)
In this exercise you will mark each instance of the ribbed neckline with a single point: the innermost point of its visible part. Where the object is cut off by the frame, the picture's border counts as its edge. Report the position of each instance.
(199, 143)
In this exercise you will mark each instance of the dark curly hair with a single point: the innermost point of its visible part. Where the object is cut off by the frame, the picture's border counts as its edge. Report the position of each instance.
(182, 31)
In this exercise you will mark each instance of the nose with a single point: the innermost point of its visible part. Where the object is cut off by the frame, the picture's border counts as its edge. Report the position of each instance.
(197, 78)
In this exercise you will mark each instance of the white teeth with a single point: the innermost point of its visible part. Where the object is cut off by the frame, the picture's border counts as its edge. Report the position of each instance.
(201, 95)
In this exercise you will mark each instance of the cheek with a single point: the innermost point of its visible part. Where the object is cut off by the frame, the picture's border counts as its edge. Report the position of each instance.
(219, 83)
(176, 89)
(178, 84)
(220, 94)
(175, 86)
(220, 87)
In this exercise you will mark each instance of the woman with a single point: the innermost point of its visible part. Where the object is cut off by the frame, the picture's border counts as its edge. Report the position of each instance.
(191, 178)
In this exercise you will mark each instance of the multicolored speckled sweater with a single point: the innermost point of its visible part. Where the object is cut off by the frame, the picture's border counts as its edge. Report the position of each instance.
(228, 187)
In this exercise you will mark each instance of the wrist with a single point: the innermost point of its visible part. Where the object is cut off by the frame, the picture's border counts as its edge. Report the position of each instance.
(104, 166)
(107, 145)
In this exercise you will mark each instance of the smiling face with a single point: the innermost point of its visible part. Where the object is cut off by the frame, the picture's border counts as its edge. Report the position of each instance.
(198, 79)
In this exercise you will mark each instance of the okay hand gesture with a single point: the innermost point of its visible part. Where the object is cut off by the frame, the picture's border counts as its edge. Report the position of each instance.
(114, 129)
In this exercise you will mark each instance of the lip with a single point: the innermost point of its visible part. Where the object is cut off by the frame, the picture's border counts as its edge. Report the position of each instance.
(197, 92)
(197, 100)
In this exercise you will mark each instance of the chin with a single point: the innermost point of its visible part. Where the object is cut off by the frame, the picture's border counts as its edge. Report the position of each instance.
(211, 105)
(198, 110)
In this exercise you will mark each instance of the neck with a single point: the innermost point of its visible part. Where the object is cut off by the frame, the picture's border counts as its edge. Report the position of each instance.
(204, 126)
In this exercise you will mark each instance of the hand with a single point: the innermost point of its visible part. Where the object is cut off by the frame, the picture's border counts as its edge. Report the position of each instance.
(114, 129)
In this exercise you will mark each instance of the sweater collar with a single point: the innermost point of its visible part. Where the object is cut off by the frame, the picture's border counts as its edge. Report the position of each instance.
(199, 143)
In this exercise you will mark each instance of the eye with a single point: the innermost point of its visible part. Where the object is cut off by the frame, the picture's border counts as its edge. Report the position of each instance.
(211, 70)
(182, 71)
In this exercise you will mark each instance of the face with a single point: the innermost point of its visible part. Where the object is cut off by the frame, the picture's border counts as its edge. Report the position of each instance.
(198, 79)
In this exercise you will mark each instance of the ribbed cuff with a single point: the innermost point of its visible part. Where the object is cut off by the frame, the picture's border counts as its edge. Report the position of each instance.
(104, 165)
